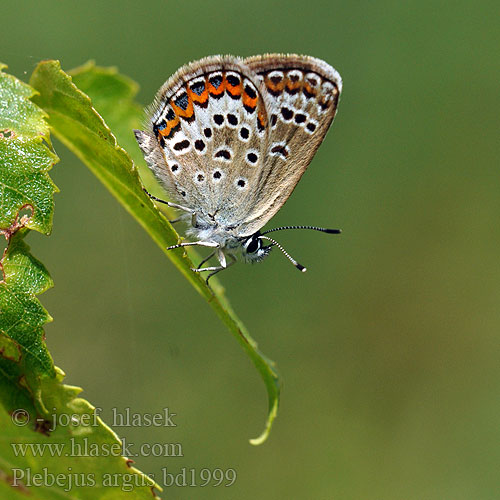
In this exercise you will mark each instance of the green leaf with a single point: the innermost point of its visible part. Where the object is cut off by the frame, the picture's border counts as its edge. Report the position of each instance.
(80, 459)
(24, 356)
(31, 391)
(25, 159)
(79, 123)
(24, 182)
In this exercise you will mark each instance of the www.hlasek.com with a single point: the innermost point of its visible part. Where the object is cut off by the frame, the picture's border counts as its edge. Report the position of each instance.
(67, 481)
(83, 447)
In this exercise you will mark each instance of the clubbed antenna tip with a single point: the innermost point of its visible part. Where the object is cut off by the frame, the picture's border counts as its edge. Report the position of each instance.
(314, 228)
(300, 267)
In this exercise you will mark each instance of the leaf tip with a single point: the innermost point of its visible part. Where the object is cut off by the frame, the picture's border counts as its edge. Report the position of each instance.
(273, 412)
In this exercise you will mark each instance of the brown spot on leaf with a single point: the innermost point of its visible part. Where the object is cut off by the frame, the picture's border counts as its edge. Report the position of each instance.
(9, 479)
(10, 349)
(7, 133)
(20, 221)
(43, 426)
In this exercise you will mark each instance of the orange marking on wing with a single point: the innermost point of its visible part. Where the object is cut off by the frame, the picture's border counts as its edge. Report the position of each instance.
(234, 90)
(275, 87)
(187, 113)
(291, 85)
(310, 90)
(262, 117)
(220, 89)
(171, 124)
(199, 99)
(249, 101)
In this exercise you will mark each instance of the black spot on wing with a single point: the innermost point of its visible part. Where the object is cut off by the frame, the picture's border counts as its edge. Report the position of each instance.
(223, 153)
(250, 92)
(311, 127)
(275, 93)
(292, 91)
(286, 113)
(198, 87)
(179, 146)
(281, 150)
(215, 81)
(199, 145)
(252, 157)
(300, 118)
(182, 101)
(170, 114)
(232, 119)
(307, 93)
(233, 80)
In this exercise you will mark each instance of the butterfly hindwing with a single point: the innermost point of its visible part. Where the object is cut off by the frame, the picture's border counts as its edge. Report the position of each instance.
(302, 97)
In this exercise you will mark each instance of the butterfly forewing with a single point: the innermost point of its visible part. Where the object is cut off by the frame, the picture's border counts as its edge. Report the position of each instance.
(209, 124)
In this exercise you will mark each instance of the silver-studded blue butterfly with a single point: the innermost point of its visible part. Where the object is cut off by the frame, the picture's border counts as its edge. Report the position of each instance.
(229, 139)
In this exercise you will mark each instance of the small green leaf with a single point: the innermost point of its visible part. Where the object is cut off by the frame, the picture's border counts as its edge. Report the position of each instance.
(79, 123)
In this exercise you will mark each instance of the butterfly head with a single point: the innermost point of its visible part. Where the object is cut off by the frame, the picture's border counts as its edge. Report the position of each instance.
(253, 248)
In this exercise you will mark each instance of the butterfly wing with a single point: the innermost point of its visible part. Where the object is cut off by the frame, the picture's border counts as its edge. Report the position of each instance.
(230, 138)
(206, 137)
(301, 96)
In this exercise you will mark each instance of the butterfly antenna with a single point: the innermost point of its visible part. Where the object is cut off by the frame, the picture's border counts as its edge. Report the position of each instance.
(287, 255)
(315, 228)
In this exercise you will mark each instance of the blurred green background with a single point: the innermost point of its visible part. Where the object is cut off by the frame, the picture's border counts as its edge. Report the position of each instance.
(389, 344)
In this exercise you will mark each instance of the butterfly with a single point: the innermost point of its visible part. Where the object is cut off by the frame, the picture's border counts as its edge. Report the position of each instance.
(229, 139)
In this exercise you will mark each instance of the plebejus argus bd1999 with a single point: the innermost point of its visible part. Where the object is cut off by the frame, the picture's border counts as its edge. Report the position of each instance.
(229, 139)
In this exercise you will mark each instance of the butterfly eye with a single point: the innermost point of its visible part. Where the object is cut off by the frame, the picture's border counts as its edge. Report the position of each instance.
(253, 245)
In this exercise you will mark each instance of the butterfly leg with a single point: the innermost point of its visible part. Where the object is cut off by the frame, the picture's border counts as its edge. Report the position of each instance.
(221, 268)
(222, 260)
(208, 257)
(173, 205)
(173, 221)
(194, 222)
(193, 243)
(215, 269)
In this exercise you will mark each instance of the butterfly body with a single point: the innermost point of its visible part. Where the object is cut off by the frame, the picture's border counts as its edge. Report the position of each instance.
(229, 139)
